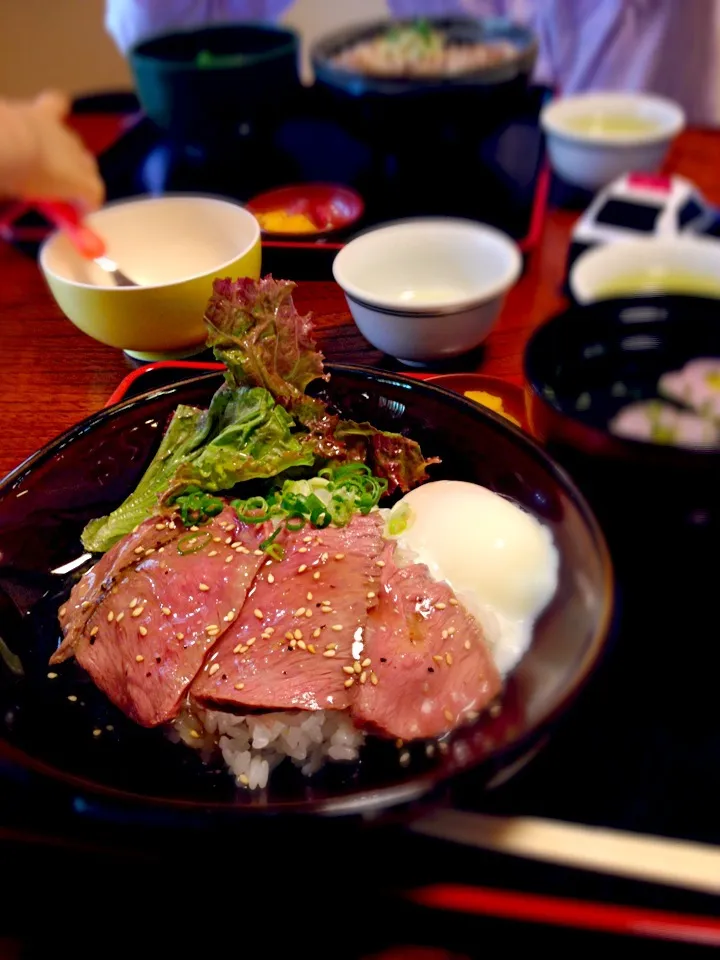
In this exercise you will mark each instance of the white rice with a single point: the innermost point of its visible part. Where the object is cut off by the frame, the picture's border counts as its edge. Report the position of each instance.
(253, 745)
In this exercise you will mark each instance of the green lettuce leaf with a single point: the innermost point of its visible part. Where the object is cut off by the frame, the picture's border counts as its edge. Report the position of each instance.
(251, 438)
(187, 429)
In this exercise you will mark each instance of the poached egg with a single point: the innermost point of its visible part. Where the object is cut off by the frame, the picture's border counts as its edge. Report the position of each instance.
(501, 562)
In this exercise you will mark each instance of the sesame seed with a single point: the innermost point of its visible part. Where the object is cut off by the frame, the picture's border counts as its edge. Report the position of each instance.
(244, 779)
(229, 616)
(363, 676)
(448, 716)
(204, 587)
(370, 594)
(302, 568)
(72, 698)
(356, 666)
(228, 558)
(139, 658)
(228, 541)
(324, 557)
(316, 632)
(139, 549)
(311, 648)
(109, 727)
(289, 635)
(293, 643)
(467, 644)
(379, 563)
(142, 631)
(316, 575)
(271, 578)
(404, 758)
(302, 644)
(302, 549)
(451, 631)
(52, 676)
(437, 658)
(212, 629)
(448, 658)
(138, 611)
(440, 605)
(308, 596)
(348, 669)
(258, 613)
(337, 626)
(217, 539)
(339, 556)
(235, 545)
(300, 612)
(133, 603)
(453, 602)
(250, 642)
(472, 715)
(308, 612)
(329, 653)
(94, 632)
(85, 604)
(430, 750)
(297, 634)
(149, 551)
(366, 662)
(194, 528)
(349, 682)
(172, 525)
(239, 686)
(97, 731)
(213, 553)
(194, 734)
(243, 550)
(213, 669)
(167, 611)
(444, 634)
(119, 617)
(238, 648)
(258, 553)
(179, 636)
(63, 611)
(111, 617)
(159, 526)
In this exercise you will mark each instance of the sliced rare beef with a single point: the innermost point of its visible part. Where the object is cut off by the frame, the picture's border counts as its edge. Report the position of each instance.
(427, 658)
(296, 640)
(149, 624)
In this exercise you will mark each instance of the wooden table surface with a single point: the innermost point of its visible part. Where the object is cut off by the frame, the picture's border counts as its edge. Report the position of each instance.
(55, 375)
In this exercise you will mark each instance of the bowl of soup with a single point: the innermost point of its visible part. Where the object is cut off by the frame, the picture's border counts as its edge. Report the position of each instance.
(647, 267)
(592, 138)
(427, 289)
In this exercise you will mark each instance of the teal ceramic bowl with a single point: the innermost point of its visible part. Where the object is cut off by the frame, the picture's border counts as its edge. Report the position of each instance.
(205, 85)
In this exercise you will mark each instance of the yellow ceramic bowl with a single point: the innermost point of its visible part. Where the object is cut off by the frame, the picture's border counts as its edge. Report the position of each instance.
(174, 247)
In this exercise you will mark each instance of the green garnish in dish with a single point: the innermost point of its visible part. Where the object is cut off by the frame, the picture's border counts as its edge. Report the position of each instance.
(262, 429)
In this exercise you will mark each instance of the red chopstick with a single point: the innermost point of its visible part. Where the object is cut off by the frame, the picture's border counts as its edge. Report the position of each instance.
(579, 914)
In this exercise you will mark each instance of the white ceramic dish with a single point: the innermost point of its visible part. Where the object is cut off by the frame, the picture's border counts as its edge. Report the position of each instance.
(173, 247)
(663, 266)
(595, 155)
(427, 289)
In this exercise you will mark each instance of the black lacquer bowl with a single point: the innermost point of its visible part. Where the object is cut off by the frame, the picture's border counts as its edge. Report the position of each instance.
(86, 743)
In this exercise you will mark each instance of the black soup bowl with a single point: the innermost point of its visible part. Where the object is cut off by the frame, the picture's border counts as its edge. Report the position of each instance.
(583, 366)
(90, 469)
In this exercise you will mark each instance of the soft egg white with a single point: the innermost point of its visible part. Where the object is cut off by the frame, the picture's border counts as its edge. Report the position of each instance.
(501, 562)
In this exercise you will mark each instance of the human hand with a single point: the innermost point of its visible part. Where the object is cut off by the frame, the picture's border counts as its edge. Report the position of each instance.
(42, 158)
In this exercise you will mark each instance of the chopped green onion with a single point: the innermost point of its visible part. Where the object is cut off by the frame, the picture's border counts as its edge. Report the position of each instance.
(196, 507)
(295, 522)
(194, 542)
(271, 548)
(253, 510)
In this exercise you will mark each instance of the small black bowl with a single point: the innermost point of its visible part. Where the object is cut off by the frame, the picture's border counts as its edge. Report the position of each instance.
(201, 86)
(584, 365)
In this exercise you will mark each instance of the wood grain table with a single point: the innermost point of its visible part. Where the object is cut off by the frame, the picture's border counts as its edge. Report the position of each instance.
(54, 375)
